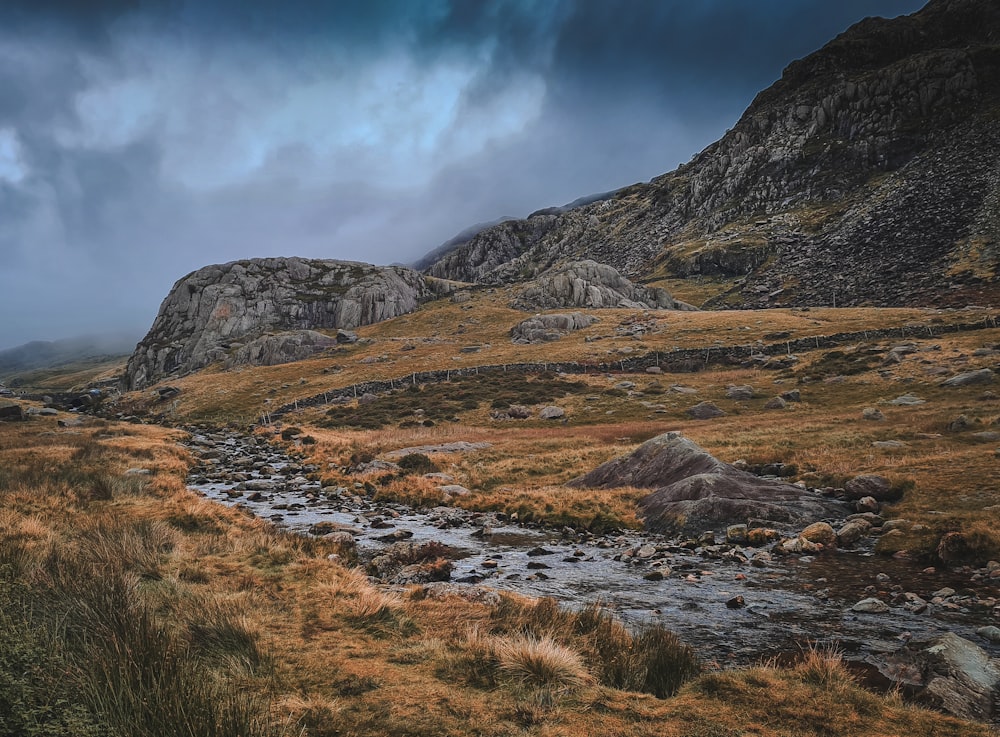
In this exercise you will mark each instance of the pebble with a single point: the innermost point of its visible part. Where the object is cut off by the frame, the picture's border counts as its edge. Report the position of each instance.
(871, 605)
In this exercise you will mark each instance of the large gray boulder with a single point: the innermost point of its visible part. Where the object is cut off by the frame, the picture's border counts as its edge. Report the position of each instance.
(215, 309)
(544, 328)
(694, 491)
(946, 672)
(589, 284)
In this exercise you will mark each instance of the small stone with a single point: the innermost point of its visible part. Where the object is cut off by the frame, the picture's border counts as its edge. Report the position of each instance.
(646, 552)
(539, 551)
(736, 534)
(792, 395)
(656, 575)
(489, 563)
(871, 605)
(736, 602)
(776, 403)
(872, 413)
(866, 504)
(990, 633)
(944, 592)
(851, 532)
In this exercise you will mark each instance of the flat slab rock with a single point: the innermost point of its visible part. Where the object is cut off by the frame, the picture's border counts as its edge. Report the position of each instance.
(458, 447)
(694, 491)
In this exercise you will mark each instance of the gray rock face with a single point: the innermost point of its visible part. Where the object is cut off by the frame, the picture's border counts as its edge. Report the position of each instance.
(545, 328)
(695, 491)
(894, 119)
(270, 350)
(589, 284)
(215, 307)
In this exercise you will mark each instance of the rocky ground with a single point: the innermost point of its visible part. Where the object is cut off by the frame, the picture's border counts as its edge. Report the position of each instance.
(737, 594)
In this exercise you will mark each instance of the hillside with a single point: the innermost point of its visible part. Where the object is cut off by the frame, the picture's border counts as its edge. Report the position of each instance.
(869, 174)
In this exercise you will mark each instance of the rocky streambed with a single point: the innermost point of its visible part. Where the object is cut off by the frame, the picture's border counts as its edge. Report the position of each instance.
(735, 603)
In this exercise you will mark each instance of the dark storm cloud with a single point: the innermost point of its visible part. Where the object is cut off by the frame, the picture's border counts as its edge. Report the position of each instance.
(140, 140)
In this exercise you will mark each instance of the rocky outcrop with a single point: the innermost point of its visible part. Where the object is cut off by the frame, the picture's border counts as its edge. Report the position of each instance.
(589, 284)
(545, 328)
(694, 492)
(868, 174)
(224, 312)
(271, 350)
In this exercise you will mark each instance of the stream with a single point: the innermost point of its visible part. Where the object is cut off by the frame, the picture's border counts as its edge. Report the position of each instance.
(787, 602)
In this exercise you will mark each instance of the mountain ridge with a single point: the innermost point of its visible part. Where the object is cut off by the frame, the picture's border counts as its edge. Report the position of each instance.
(876, 155)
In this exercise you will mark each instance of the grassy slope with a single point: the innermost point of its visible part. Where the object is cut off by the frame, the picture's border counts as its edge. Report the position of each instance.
(294, 642)
(823, 435)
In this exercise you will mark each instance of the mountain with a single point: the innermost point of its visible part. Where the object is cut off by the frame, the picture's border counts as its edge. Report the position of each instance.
(868, 174)
(41, 354)
(222, 312)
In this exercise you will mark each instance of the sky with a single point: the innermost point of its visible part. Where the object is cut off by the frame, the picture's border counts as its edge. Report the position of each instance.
(141, 140)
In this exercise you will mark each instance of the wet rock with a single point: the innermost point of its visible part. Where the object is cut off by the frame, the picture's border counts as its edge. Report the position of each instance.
(536, 565)
(871, 605)
(656, 575)
(704, 411)
(851, 532)
(990, 633)
(775, 403)
(758, 536)
(736, 602)
(956, 547)
(552, 413)
(872, 413)
(539, 551)
(970, 378)
(962, 680)
(736, 534)
(819, 532)
(797, 546)
(695, 491)
(645, 552)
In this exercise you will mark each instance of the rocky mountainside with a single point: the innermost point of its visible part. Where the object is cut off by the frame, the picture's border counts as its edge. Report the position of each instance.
(868, 174)
(223, 312)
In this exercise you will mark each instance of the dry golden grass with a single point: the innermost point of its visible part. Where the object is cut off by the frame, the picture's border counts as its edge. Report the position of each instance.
(328, 653)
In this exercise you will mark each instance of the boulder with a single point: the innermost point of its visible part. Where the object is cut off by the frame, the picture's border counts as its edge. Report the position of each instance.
(11, 412)
(871, 606)
(877, 487)
(218, 309)
(589, 284)
(693, 491)
(961, 678)
(545, 328)
(739, 392)
(970, 378)
(552, 413)
(872, 413)
(776, 403)
(704, 411)
(820, 532)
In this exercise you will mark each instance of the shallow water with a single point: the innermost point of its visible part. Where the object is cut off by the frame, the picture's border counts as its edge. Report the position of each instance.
(789, 603)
